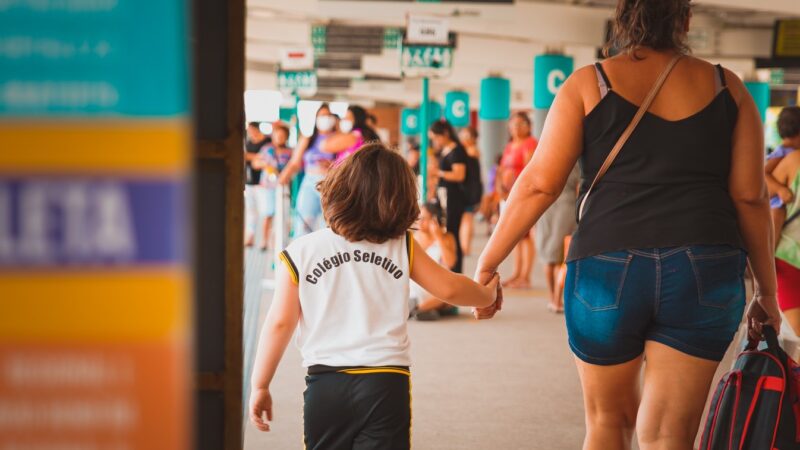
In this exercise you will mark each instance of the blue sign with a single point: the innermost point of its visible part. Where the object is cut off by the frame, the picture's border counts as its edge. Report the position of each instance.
(495, 99)
(436, 111)
(457, 108)
(93, 58)
(761, 93)
(549, 73)
(409, 121)
(91, 221)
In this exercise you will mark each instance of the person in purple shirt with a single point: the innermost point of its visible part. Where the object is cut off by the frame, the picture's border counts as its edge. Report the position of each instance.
(780, 195)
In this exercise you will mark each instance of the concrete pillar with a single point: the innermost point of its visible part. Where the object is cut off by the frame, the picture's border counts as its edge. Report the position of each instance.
(495, 109)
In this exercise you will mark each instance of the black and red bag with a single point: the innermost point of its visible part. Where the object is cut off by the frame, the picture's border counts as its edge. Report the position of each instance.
(756, 405)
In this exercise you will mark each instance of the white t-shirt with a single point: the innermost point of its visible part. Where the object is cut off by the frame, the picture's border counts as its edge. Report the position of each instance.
(354, 299)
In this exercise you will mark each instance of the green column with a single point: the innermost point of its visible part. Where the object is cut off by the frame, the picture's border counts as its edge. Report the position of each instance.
(424, 110)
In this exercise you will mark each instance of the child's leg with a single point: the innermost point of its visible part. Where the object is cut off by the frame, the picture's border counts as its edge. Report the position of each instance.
(778, 217)
(329, 421)
(384, 401)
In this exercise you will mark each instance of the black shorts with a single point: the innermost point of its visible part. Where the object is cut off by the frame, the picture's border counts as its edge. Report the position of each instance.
(357, 408)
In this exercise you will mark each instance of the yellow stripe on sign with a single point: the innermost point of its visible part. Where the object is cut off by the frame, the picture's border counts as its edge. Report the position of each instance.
(106, 305)
(68, 147)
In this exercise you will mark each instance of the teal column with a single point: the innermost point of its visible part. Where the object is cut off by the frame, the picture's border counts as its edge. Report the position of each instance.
(493, 112)
(549, 73)
(760, 92)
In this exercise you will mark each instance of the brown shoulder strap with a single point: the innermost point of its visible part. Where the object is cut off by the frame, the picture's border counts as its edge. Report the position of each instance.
(648, 101)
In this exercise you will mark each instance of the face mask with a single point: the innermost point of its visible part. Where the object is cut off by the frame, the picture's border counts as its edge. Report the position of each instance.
(346, 125)
(325, 123)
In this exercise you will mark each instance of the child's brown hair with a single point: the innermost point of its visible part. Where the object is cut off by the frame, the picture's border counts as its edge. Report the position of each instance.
(371, 196)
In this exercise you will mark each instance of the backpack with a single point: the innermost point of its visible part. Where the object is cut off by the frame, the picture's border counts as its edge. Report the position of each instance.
(756, 405)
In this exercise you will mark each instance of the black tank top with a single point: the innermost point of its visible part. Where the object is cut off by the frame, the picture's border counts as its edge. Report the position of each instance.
(668, 186)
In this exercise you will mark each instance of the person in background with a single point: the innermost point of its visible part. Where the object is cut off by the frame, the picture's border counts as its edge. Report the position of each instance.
(308, 156)
(516, 155)
(490, 204)
(413, 155)
(432, 236)
(353, 133)
(787, 254)
(781, 195)
(253, 192)
(372, 121)
(473, 186)
(343, 292)
(272, 160)
(452, 174)
(557, 223)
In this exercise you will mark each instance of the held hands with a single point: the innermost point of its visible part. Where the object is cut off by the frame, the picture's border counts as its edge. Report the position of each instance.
(261, 405)
(763, 310)
(492, 281)
(786, 195)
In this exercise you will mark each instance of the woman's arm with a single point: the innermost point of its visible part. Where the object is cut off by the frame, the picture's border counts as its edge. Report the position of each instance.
(339, 142)
(295, 164)
(448, 286)
(456, 174)
(275, 335)
(542, 180)
(748, 190)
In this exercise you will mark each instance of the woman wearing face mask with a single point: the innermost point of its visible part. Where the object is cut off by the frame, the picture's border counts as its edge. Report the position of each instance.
(309, 157)
(353, 133)
(452, 174)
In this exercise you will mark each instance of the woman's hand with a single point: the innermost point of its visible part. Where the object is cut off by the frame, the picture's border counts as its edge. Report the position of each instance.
(260, 403)
(763, 310)
(786, 195)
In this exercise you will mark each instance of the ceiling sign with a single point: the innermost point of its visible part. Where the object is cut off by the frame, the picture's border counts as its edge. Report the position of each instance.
(299, 58)
(427, 30)
(787, 39)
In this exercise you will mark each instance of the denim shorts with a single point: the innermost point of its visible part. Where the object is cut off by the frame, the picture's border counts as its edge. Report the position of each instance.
(688, 298)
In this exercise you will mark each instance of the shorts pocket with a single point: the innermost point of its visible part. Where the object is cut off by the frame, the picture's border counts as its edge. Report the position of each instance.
(599, 280)
(719, 275)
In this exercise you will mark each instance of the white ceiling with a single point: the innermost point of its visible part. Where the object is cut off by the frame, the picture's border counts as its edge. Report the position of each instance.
(500, 39)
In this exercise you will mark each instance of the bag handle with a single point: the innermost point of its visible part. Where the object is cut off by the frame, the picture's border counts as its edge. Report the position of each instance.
(648, 101)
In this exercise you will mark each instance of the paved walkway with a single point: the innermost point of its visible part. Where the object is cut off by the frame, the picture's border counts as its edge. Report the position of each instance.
(508, 383)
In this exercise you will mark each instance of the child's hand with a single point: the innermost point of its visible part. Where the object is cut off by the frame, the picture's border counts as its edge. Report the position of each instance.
(261, 404)
(494, 284)
(786, 195)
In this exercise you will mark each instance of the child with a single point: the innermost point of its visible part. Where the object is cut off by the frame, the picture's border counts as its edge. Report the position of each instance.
(789, 131)
(271, 160)
(440, 245)
(346, 289)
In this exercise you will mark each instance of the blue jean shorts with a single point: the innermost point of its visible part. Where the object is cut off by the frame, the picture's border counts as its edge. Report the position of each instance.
(688, 298)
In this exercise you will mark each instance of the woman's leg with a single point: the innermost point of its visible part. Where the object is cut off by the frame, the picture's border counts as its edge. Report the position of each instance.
(793, 319)
(525, 255)
(611, 401)
(467, 223)
(676, 387)
(455, 209)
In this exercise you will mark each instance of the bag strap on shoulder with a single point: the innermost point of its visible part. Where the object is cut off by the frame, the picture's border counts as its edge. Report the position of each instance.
(623, 139)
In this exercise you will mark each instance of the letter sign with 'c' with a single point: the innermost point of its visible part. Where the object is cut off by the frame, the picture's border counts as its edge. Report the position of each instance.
(409, 121)
(457, 108)
(549, 73)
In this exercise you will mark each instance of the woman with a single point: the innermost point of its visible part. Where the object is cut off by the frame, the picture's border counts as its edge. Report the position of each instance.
(516, 155)
(787, 260)
(473, 186)
(452, 174)
(655, 268)
(440, 245)
(310, 158)
(353, 133)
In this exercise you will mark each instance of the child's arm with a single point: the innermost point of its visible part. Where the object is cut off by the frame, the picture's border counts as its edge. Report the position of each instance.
(450, 287)
(278, 328)
(774, 186)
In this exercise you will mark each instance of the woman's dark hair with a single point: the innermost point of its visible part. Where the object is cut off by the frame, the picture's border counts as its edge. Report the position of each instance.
(371, 196)
(443, 128)
(657, 24)
(360, 123)
(315, 134)
(789, 122)
(279, 125)
(435, 210)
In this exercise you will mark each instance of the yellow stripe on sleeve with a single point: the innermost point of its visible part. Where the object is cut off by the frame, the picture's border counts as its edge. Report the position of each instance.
(410, 240)
(292, 271)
